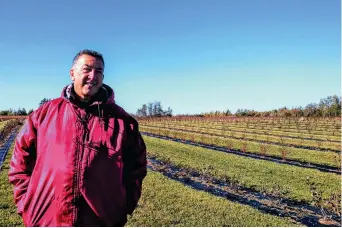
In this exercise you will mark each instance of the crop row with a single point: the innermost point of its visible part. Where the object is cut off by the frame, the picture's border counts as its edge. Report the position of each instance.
(286, 141)
(301, 212)
(303, 155)
(230, 129)
(271, 128)
(284, 181)
(323, 168)
(7, 128)
(304, 124)
(254, 120)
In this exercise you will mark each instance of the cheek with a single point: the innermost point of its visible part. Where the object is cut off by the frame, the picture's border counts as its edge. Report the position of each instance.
(80, 81)
(100, 79)
(80, 84)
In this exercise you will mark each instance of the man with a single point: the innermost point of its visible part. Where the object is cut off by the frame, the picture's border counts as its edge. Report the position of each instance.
(79, 160)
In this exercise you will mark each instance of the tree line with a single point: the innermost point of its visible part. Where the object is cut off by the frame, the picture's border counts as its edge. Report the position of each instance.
(326, 107)
(18, 112)
(21, 111)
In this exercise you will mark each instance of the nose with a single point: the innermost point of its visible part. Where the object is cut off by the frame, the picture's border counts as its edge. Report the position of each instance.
(92, 74)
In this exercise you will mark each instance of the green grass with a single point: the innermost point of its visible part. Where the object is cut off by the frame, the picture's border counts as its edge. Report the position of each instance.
(252, 136)
(8, 210)
(332, 133)
(163, 203)
(251, 129)
(265, 176)
(303, 155)
(166, 202)
(282, 125)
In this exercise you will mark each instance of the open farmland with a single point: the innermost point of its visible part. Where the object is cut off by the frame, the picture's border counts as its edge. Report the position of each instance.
(231, 172)
(290, 167)
(3, 123)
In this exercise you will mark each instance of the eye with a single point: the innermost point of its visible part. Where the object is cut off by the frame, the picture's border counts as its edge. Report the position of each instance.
(86, 70)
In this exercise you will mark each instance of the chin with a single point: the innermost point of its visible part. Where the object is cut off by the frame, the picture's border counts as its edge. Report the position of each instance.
(90, 92)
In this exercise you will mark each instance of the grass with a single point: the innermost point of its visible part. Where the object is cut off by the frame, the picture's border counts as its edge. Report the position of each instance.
(265, 176)
(166, 202)
(303, 155)
(8, 210)
(248, 129)
(253, 136)
(332, 134)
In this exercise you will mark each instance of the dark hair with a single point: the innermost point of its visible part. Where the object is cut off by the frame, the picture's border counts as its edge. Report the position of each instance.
(95, 54)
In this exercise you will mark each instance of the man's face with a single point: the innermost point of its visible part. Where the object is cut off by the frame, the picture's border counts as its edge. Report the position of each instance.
(87, 75)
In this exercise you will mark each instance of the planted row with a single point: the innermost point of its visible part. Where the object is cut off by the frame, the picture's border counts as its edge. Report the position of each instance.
(310, 156)
(281, 180)
(7, 128)
(266, 137)
(271, 128)
(248, 130)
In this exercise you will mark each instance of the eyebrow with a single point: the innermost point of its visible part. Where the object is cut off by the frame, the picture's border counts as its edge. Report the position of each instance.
(97, 68)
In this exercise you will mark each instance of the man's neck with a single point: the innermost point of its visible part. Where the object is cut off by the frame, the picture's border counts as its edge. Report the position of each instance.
(83, 99)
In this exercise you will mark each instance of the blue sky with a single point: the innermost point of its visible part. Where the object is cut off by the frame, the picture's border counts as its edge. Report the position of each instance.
(194, 56)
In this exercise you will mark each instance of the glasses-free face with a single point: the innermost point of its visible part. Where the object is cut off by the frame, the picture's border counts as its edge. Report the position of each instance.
(87, 75)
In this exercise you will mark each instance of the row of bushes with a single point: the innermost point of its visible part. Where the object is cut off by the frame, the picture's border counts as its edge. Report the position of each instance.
(7, 129)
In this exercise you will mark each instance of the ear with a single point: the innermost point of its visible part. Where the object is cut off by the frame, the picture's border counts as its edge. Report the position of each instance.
(72, 74)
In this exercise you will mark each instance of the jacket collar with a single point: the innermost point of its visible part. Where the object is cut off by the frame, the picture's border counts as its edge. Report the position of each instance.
(105, 95)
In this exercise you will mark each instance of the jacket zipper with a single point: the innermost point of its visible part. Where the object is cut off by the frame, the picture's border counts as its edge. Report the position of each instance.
(77, 174)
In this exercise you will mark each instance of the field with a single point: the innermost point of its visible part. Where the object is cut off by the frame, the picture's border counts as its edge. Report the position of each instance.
(232, 172)
(3, 123)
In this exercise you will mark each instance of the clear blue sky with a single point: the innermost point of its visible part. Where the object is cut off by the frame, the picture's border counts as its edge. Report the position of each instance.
(194, 55)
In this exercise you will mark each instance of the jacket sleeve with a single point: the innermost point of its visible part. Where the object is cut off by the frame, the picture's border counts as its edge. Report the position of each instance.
(135, 166)
(23, 161)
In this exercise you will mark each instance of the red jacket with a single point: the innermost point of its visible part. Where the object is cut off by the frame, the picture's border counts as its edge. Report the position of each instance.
(75, 165)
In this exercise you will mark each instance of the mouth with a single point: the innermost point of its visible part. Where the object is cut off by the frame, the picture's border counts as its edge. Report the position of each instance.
(91, 84)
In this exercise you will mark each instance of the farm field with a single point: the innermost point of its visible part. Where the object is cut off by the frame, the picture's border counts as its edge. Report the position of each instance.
(224, 113)
(223, 172)
(296, 160)
(165, 203)
(2, 124)
(329, 158)
(306, 141)
(321, 151)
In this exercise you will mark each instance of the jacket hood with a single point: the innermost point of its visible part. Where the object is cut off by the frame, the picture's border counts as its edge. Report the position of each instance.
(105, 95)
